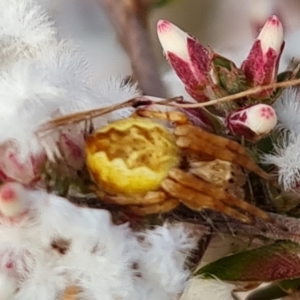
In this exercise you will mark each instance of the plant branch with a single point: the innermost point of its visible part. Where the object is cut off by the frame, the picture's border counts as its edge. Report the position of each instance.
(252, 91)
(130, 19)
(93, 113)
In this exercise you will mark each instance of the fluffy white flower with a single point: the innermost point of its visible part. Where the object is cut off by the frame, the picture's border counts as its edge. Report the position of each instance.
(162, 263)
(112, 91)
(48, 244)
(25, 29)
(286, 154)
(44, 77)
(287, 108)
(286, 157)
(45, 281)
(27, 99)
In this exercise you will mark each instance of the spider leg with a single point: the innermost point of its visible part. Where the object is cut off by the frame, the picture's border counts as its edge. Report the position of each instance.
(162, 207)
(171, 116)
(216, 193)
(201, 141)
(198, 201)
(151, 198)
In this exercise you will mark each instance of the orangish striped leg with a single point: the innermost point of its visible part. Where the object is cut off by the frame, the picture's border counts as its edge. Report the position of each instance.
(216, 193)
(151, 197)
(197, 201)
(171, 116)
(201, 141)
(162, 207)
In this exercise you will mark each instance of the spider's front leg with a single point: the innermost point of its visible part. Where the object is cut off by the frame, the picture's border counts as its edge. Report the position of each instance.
(153, 202)
(201, 142)
(197, 140)
(152, 197)
(175, 117)
(198, 194)
(158, 208)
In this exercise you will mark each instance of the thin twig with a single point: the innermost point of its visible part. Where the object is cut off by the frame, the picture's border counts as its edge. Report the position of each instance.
(130, 19)
(285, 228)
(93, 113)
(240, 95)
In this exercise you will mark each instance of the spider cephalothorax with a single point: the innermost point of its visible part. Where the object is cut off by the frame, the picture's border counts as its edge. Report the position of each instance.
(137, 162)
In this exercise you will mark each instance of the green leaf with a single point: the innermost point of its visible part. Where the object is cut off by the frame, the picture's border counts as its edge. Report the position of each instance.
(266, 145)
(216, 123)
(284, 76)
(232, 79)
(270, 292)
(276, 290)
(289, 285)
(272, 262)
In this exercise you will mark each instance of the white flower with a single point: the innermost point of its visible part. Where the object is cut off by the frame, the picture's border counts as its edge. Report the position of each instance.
(48, 244)
(286, 155)
(287, 108)
(25, 29)
(286, 158)
(164, 252)
(44, 77)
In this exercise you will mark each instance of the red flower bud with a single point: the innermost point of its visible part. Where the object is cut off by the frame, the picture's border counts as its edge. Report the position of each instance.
(189, 59)
(253, 122)
(261, 65)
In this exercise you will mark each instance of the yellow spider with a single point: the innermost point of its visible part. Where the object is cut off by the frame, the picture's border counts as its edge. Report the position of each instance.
(142, 164)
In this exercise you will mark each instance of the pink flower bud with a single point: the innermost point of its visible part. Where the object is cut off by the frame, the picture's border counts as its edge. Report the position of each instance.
(189, 59)
(13, 198)
(261, 65)
(253, 123)
(71, 143)
(14, 168)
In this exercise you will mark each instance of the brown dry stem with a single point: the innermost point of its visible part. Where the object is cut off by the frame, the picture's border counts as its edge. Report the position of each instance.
(130, 19)
(94, 113)
(259, 89)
